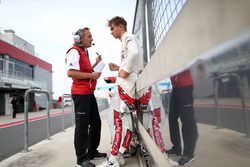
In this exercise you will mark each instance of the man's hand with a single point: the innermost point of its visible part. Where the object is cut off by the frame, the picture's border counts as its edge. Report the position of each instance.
(113, 67)
(98, 59)
(96, 75)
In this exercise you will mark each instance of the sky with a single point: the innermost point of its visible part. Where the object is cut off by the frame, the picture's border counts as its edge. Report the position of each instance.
(49, 24)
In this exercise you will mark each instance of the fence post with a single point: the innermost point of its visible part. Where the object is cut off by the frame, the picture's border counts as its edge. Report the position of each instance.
(26, 126)
(242, 98)
(216, 84)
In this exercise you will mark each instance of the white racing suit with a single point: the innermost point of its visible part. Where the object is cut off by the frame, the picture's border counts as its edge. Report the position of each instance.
(124, 101)
(150, 104)
(122, 105)
(121, 122)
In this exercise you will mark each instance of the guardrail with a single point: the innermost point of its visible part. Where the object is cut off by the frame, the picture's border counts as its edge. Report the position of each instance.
(241, 91)
(26, 126)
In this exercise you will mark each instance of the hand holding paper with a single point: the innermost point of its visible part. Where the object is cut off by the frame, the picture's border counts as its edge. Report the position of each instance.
(99, 67)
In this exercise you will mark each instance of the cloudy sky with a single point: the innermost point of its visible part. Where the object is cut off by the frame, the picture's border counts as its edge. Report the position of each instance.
(48, 25)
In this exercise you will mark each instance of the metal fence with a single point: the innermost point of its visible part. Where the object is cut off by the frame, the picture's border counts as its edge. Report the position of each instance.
(164, 13)
(152, 21)
(17, 78)
(26, 103)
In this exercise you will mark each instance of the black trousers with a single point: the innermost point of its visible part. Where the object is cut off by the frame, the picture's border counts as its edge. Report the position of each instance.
(88, 126)
(14, 112)
(181, 105)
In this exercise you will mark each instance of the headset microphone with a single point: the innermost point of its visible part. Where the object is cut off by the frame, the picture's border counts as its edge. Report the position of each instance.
(93, 44)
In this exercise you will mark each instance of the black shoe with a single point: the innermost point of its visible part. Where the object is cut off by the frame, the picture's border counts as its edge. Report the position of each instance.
(97, 155)
(173, 151)
(185, 159)
(86, 163)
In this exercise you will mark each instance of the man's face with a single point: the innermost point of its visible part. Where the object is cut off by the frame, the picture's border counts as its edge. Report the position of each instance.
(116, 31)
(87, 39)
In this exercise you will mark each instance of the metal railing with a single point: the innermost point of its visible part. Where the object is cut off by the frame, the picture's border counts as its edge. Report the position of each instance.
(152, 21)
(164, 15)
(26, 126)
(17, 78)
(242, 97)
(14, 74)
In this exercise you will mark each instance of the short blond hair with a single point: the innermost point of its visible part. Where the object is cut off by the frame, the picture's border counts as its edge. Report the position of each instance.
(117, 20)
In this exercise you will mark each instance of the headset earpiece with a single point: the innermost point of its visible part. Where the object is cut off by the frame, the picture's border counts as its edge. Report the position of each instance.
(77, 39)
(78, 36)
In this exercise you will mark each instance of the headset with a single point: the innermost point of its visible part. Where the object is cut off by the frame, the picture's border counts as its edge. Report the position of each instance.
(78, 36)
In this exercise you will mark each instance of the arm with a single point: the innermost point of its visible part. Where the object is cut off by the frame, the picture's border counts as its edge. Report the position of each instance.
(82, 75)
(123, 74)
(130, 61)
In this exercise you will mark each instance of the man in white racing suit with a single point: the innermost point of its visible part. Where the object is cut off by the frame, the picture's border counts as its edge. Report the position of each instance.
(124, 100)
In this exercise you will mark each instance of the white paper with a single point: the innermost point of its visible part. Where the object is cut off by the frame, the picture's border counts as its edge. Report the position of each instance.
(99, 67)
